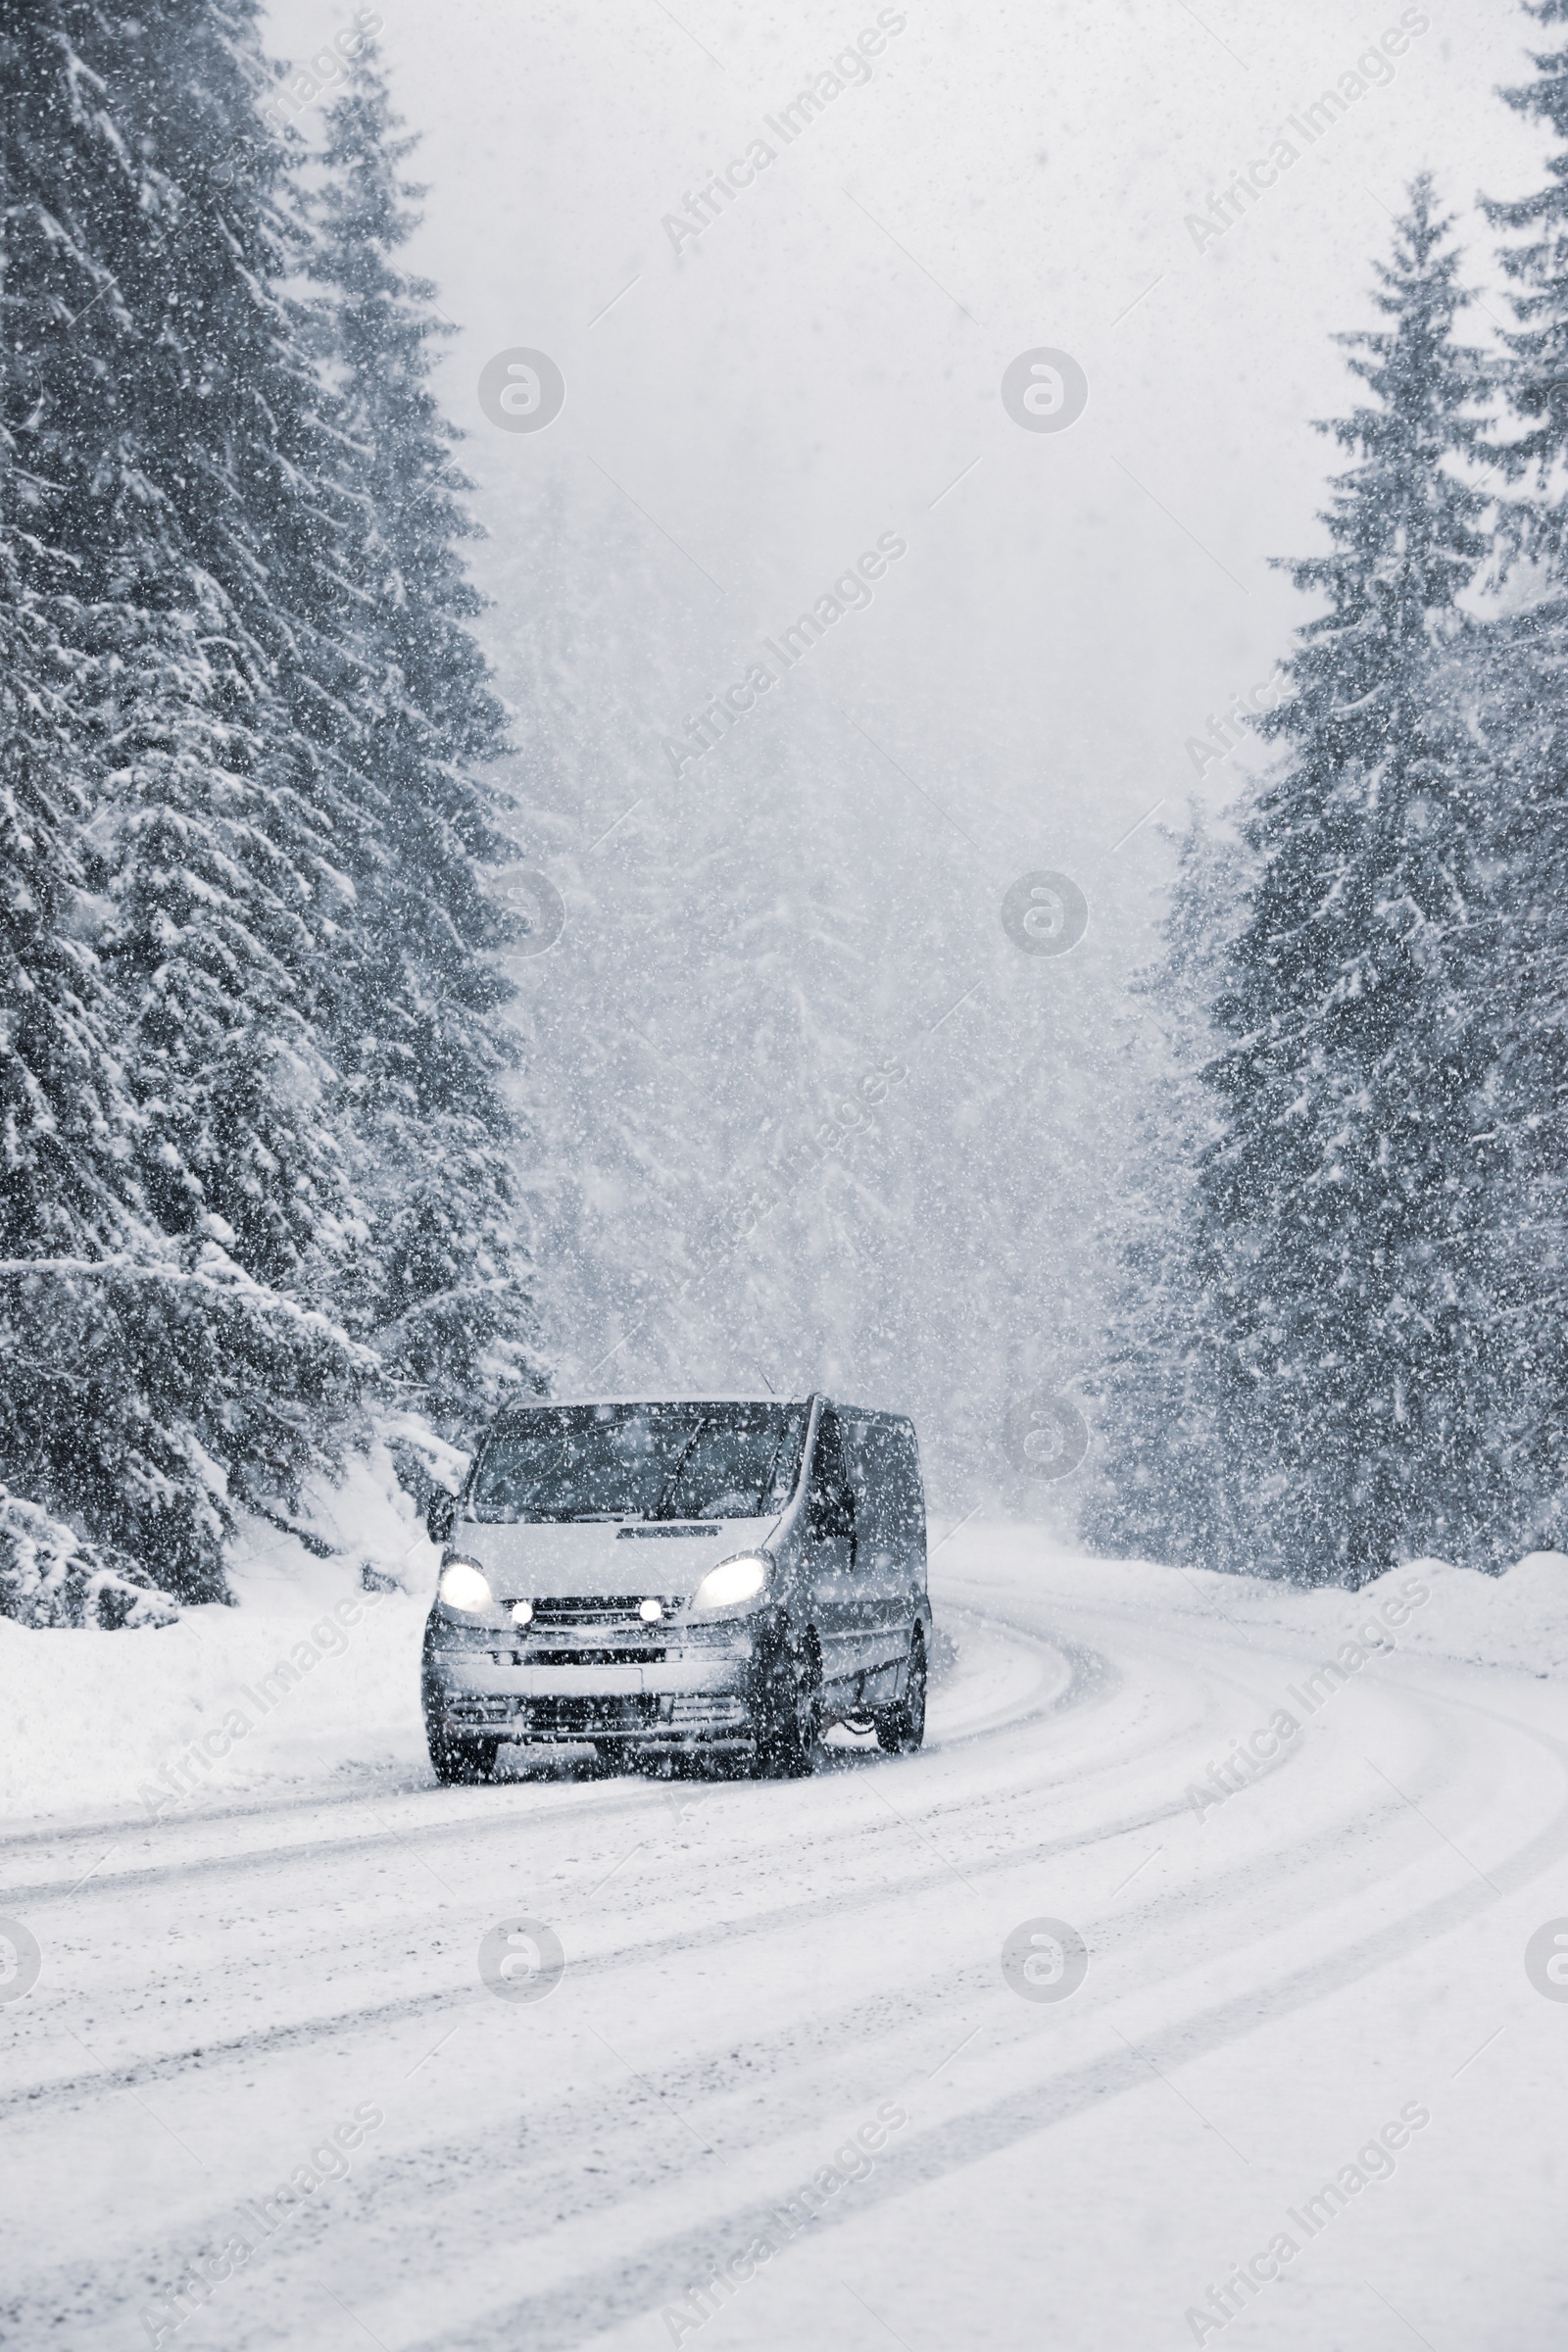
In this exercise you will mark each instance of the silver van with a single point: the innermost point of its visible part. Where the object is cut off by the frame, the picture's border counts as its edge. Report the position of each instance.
(727, 1577)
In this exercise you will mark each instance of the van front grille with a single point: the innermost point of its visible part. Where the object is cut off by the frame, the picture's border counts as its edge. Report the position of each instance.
(606, 1609)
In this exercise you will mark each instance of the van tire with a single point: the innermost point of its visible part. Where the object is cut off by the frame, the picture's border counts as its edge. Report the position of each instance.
(901, 1728)
(789, 1715)
(462, 1762)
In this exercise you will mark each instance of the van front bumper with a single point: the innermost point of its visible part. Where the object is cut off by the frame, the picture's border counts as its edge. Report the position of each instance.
(671, 1701)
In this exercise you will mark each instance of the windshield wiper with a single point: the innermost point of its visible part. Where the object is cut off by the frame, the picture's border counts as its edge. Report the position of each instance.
(673, 1481)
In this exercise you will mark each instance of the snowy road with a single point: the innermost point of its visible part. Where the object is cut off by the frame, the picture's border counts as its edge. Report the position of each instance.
(754, 1974)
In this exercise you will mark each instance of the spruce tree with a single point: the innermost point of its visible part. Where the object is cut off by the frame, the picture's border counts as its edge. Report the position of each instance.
(1159, 1486)
(442, 1287)
(1535, 376)
(1523, 982)
(171, 406)
(1341, 1248)
(174, 455)
(70, 1128)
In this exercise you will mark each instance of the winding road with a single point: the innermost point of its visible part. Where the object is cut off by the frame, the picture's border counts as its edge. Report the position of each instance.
(1011, 2043)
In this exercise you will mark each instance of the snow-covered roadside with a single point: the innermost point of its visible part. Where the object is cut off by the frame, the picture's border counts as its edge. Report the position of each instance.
(311, 1682)
(1517, 1620)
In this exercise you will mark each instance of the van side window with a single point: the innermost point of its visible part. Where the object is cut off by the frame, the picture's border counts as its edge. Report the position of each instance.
(864, 1452)
(885, 1478)
(831, 1499)
(907, 1492)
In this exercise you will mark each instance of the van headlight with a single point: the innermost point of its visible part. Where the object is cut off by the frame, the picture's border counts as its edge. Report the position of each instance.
(464, 1585)
(732, 1582)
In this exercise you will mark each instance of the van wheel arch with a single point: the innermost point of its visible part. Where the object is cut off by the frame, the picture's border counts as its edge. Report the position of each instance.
(788, 1705)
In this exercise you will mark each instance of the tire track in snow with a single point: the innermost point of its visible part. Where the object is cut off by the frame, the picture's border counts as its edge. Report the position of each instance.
(704, 1935)
(664, 2265)
(625, 1800)
(662, 2272)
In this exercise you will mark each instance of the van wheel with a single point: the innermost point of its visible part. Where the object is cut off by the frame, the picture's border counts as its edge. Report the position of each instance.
(900, 1729)
(462, 1761)
(789, 1716)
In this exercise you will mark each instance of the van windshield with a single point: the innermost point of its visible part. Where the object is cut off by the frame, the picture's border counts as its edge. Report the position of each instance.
(640, 1461)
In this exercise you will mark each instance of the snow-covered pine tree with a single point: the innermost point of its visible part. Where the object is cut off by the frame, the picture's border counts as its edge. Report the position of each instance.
(1525, 977)
(134, 1372)
(70, 1129)
(1341, 1251)
(1534, 375)
(1158, 1486)
(443, 1286)
(167, 437)
(180, 423)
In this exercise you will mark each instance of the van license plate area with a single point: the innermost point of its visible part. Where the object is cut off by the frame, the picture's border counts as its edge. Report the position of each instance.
(606, 1680)
(634, 1658)
(607, 1712)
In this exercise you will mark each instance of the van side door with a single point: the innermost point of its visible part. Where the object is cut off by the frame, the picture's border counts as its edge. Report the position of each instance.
(884, 1592)
(909, 1505)
(830, 1548)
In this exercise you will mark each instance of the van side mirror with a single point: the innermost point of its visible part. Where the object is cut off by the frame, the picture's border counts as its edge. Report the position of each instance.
(441, 1517)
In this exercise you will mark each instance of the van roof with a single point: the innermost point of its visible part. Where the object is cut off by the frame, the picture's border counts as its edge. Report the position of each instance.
(523, 1404)
(872, 1412)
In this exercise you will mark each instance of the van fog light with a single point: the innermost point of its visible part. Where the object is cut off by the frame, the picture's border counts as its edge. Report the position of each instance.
(732, 1580)
(523, 1613)
(652, 1612)
(464, 1585)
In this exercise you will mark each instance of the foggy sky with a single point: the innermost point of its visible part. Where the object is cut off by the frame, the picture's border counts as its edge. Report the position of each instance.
(791, 384)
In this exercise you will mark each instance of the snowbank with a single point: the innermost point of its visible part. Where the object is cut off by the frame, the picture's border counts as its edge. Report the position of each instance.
(1520, 1619)
(310, 1682)
(1517, 1620)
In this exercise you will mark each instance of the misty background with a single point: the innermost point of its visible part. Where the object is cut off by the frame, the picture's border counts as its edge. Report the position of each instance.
(730, 1185)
